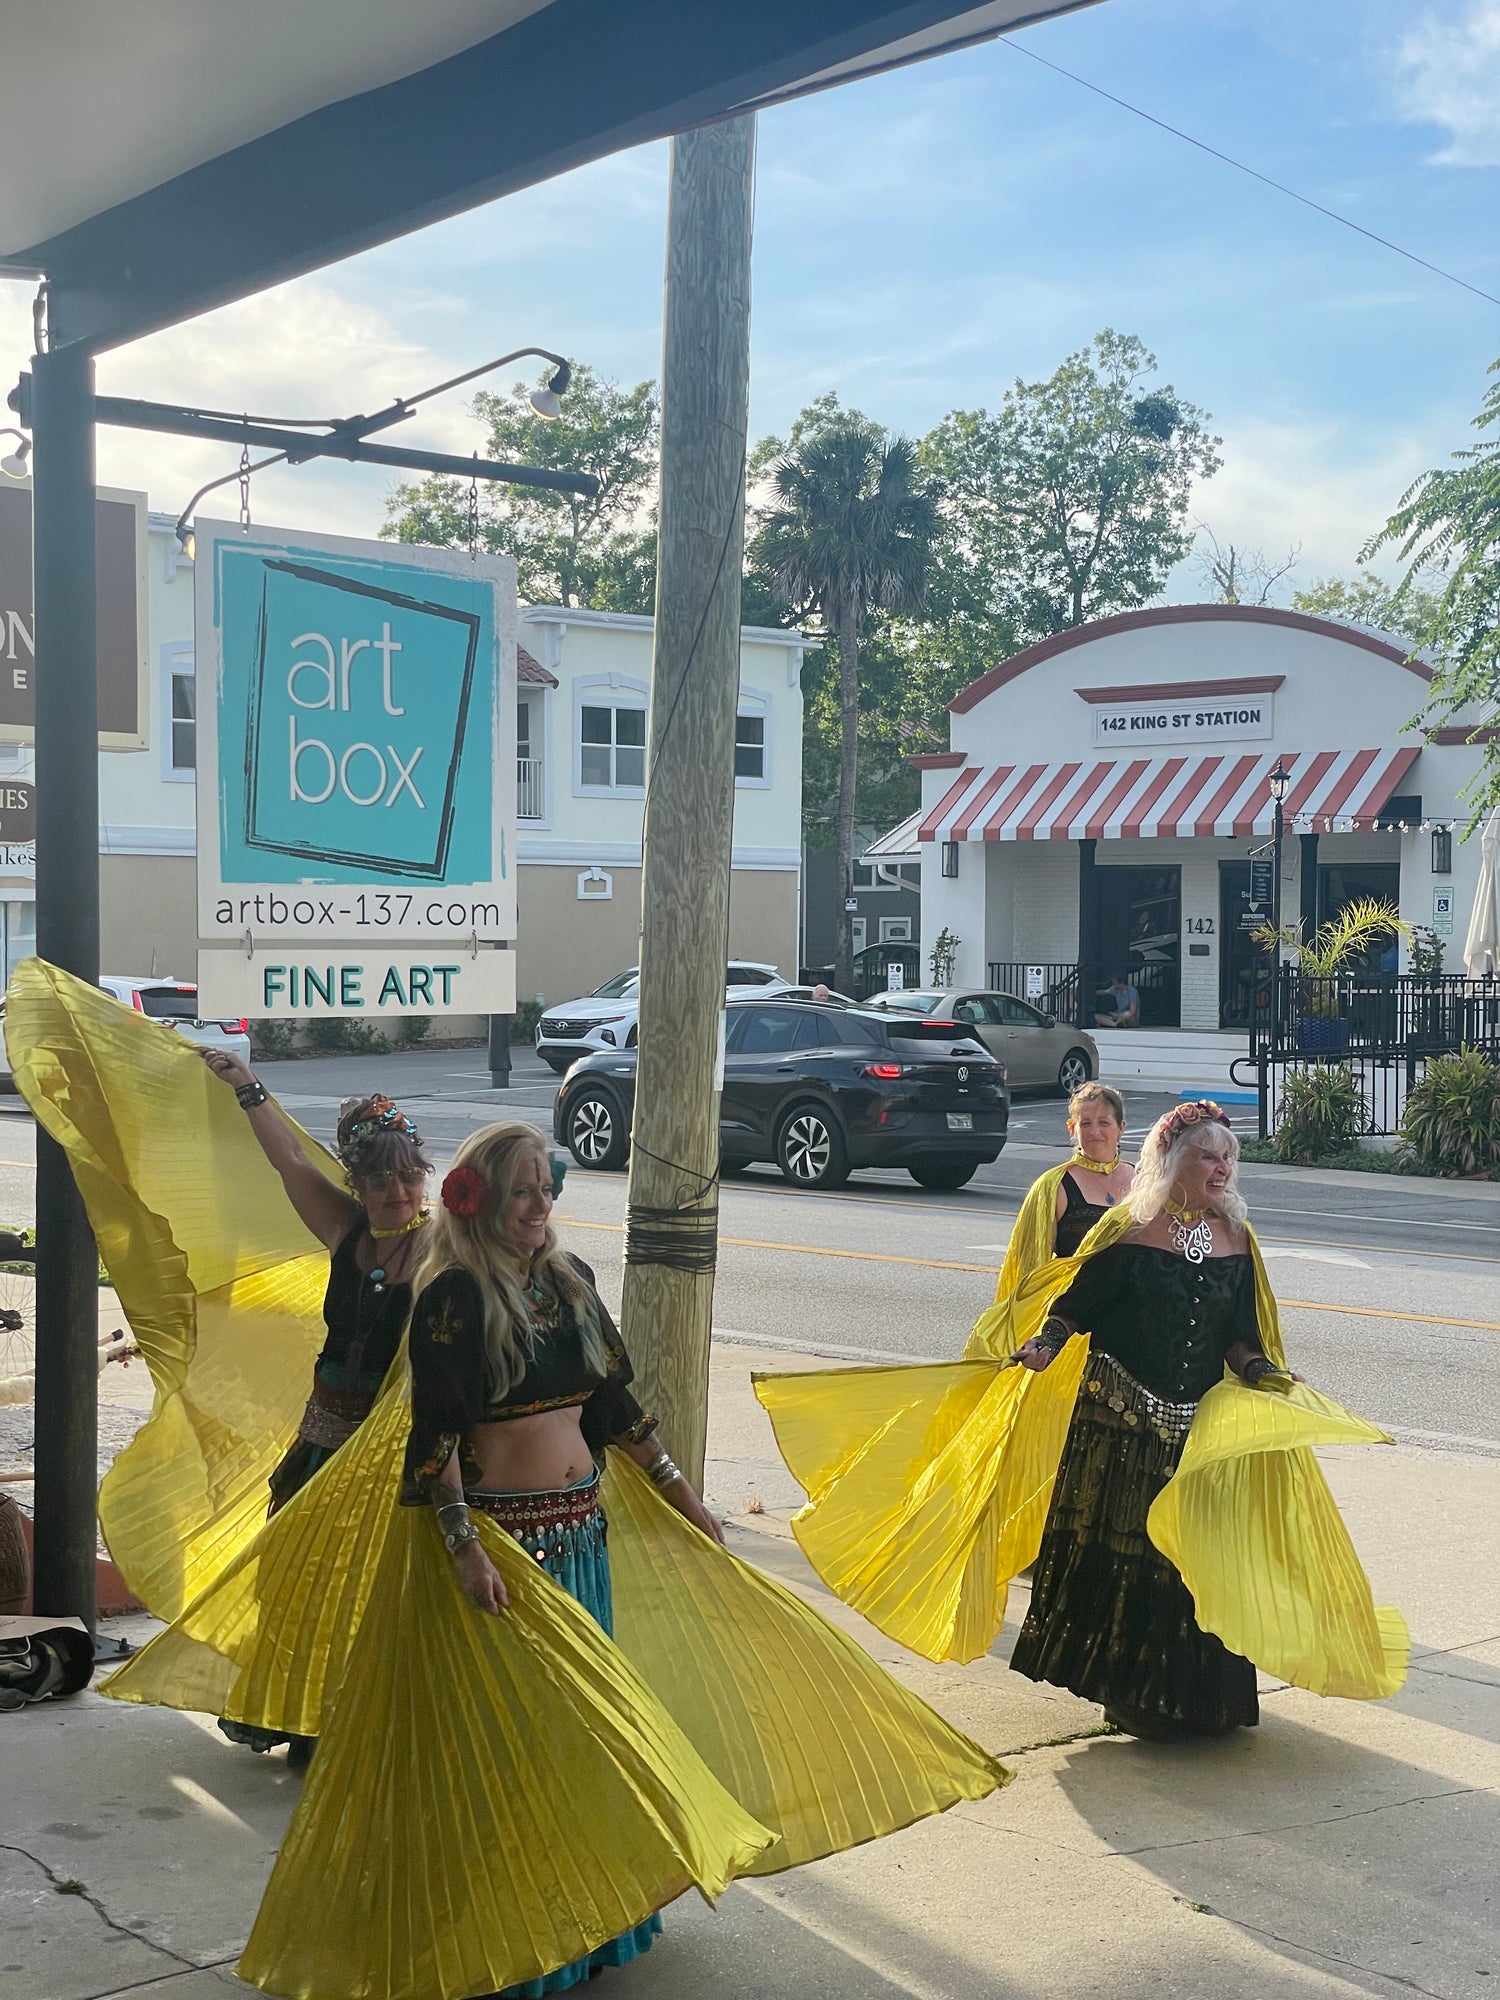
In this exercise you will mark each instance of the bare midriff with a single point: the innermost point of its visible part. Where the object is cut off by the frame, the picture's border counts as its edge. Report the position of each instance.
(531, 1454)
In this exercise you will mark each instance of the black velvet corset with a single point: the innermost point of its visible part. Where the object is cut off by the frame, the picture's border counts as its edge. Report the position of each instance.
(1168, 1322)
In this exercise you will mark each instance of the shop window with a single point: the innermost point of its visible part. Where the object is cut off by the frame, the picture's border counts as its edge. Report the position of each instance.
(19, 934)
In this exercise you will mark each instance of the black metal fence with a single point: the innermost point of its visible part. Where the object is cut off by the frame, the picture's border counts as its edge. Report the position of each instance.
(1075, 994)
(1384, 1026)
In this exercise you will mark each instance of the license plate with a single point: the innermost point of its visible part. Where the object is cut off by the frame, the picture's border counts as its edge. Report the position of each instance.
(960, 1121)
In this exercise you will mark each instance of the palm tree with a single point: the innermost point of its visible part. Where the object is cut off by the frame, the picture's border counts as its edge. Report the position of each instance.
(851, 535)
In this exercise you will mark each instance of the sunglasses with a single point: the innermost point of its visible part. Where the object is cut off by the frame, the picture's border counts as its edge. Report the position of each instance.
(408, 1177)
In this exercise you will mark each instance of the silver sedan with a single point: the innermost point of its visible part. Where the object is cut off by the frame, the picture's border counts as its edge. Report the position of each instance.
(1038, 1052)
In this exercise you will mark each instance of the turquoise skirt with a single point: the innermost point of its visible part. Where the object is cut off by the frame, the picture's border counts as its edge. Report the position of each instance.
(565, 1532)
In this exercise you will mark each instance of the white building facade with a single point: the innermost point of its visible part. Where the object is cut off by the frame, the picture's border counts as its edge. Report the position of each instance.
(1104, 790)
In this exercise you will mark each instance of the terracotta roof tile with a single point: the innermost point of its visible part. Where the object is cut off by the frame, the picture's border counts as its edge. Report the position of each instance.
(531, 671)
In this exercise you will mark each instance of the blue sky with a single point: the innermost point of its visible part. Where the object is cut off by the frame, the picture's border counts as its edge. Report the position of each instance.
(925, 237)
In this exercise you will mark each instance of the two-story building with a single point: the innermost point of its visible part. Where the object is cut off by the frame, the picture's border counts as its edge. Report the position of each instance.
(584, 682)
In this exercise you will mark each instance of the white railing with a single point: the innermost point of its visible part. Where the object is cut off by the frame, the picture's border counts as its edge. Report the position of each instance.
(529, 788)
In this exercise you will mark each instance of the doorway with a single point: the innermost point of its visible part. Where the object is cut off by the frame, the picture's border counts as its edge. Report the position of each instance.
(1342, 883)
(1139, 931)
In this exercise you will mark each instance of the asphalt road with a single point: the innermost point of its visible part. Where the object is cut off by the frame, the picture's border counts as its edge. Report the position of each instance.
(1389, 1287)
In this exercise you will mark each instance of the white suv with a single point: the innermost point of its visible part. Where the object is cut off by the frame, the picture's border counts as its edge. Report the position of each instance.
(607, 1018)
(174, 1003)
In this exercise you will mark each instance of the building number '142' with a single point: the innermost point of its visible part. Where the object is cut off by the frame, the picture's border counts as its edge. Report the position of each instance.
(1200, 926)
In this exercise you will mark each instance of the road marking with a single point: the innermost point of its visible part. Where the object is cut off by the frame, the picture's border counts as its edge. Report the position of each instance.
(988, 1270)
(810, 1250)
(1315, 1256)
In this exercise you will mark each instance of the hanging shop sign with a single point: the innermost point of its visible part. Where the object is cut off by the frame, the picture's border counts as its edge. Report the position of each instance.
(306, 983)
(120, 585)
(1216, 719)
(356, 745)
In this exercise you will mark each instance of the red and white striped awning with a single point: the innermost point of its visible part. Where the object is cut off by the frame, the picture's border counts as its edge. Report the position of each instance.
(1143, 798)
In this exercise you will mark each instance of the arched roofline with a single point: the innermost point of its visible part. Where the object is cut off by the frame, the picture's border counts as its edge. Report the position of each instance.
(1178, 614)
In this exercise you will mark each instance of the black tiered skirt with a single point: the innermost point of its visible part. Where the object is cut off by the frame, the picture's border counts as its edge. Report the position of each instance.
(1110, 1617)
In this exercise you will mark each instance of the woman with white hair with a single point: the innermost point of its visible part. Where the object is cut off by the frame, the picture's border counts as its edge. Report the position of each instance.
(1167, 1307)
(1107, 1426)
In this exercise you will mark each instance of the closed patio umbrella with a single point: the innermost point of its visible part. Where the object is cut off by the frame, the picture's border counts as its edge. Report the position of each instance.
(1482, 945)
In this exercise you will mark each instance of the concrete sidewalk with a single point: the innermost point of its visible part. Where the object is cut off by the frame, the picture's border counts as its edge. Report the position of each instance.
(1341, 1848)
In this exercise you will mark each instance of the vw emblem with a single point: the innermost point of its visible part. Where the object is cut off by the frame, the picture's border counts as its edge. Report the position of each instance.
(963, 1072)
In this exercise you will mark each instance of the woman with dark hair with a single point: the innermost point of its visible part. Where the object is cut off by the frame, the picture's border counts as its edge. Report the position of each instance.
(372, 1227)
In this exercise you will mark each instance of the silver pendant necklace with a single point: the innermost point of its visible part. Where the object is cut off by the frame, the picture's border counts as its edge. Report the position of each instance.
(1192, 1232)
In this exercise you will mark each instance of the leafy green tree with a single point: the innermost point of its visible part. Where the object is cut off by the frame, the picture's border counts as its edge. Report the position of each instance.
(848, 537)
(1069, 502)
(1366, 600)
(1447, 526)
(597, 553)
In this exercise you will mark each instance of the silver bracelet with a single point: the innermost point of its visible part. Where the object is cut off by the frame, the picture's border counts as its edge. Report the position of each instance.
(663, 1472)
(456, 1538)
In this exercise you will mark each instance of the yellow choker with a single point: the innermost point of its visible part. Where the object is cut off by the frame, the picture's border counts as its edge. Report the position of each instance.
(1094, 1166)
(406, 1229)
(1188, 1217)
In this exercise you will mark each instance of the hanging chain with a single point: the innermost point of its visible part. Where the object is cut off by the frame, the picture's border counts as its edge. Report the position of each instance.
(245, 489)
(474, 514)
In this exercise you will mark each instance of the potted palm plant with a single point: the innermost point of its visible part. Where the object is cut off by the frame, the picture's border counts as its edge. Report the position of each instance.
(1324, 962)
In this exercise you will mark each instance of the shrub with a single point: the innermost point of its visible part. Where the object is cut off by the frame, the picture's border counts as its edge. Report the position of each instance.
(411, 1029)
(269, 1039)
(338, 1034)
(1322, 1111)
(1451, 1124)
(523, 1021)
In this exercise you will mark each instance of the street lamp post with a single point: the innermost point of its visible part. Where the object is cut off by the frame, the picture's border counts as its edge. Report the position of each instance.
(1278, 781)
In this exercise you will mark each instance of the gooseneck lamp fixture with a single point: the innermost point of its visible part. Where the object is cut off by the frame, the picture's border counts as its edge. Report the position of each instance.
(545, 402)
(14, 465)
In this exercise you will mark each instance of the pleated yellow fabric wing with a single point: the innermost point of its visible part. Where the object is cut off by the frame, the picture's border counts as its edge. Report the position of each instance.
(1033, 1234)
(492, 1797)
(788, 1712)
(928, 1488)
(220, 1282)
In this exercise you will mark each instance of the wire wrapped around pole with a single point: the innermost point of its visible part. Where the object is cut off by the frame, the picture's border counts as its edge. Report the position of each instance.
(680, 1239)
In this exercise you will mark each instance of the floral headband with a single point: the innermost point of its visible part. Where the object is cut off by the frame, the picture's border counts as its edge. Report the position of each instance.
(465, 1190)
(1200, 1111)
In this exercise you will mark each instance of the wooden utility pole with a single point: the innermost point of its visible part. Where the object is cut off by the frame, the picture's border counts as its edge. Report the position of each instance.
(671, 1231)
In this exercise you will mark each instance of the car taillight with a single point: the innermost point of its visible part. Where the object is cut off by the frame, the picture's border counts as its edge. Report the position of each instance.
(885, 1071)
(235, 1027)
(135, 1000)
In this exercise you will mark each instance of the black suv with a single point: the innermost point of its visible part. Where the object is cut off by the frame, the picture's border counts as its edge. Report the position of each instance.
(819, 1090)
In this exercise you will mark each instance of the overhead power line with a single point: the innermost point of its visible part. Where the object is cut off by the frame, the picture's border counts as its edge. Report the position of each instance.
(1254, 173)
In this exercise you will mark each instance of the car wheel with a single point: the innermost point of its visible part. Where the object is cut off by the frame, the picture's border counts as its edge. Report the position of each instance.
(810, 1149)
(943, 1173)
(1073, 1072)
(596, 1132)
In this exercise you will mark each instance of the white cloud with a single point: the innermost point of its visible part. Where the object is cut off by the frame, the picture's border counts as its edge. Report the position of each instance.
(1450, 77)
(1321, 484)
(302, 350)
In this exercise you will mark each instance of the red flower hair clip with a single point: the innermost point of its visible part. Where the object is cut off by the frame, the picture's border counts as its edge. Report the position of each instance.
(465, 1192)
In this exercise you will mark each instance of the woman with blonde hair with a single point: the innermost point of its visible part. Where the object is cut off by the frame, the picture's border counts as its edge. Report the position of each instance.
(1063, 1204)
(1167, 1307)
(519, 1378)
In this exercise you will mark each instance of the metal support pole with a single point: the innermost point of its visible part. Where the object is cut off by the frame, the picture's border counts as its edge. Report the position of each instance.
(67, 934)
(499, 1052)
(1278, 828)
(671, 1227)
